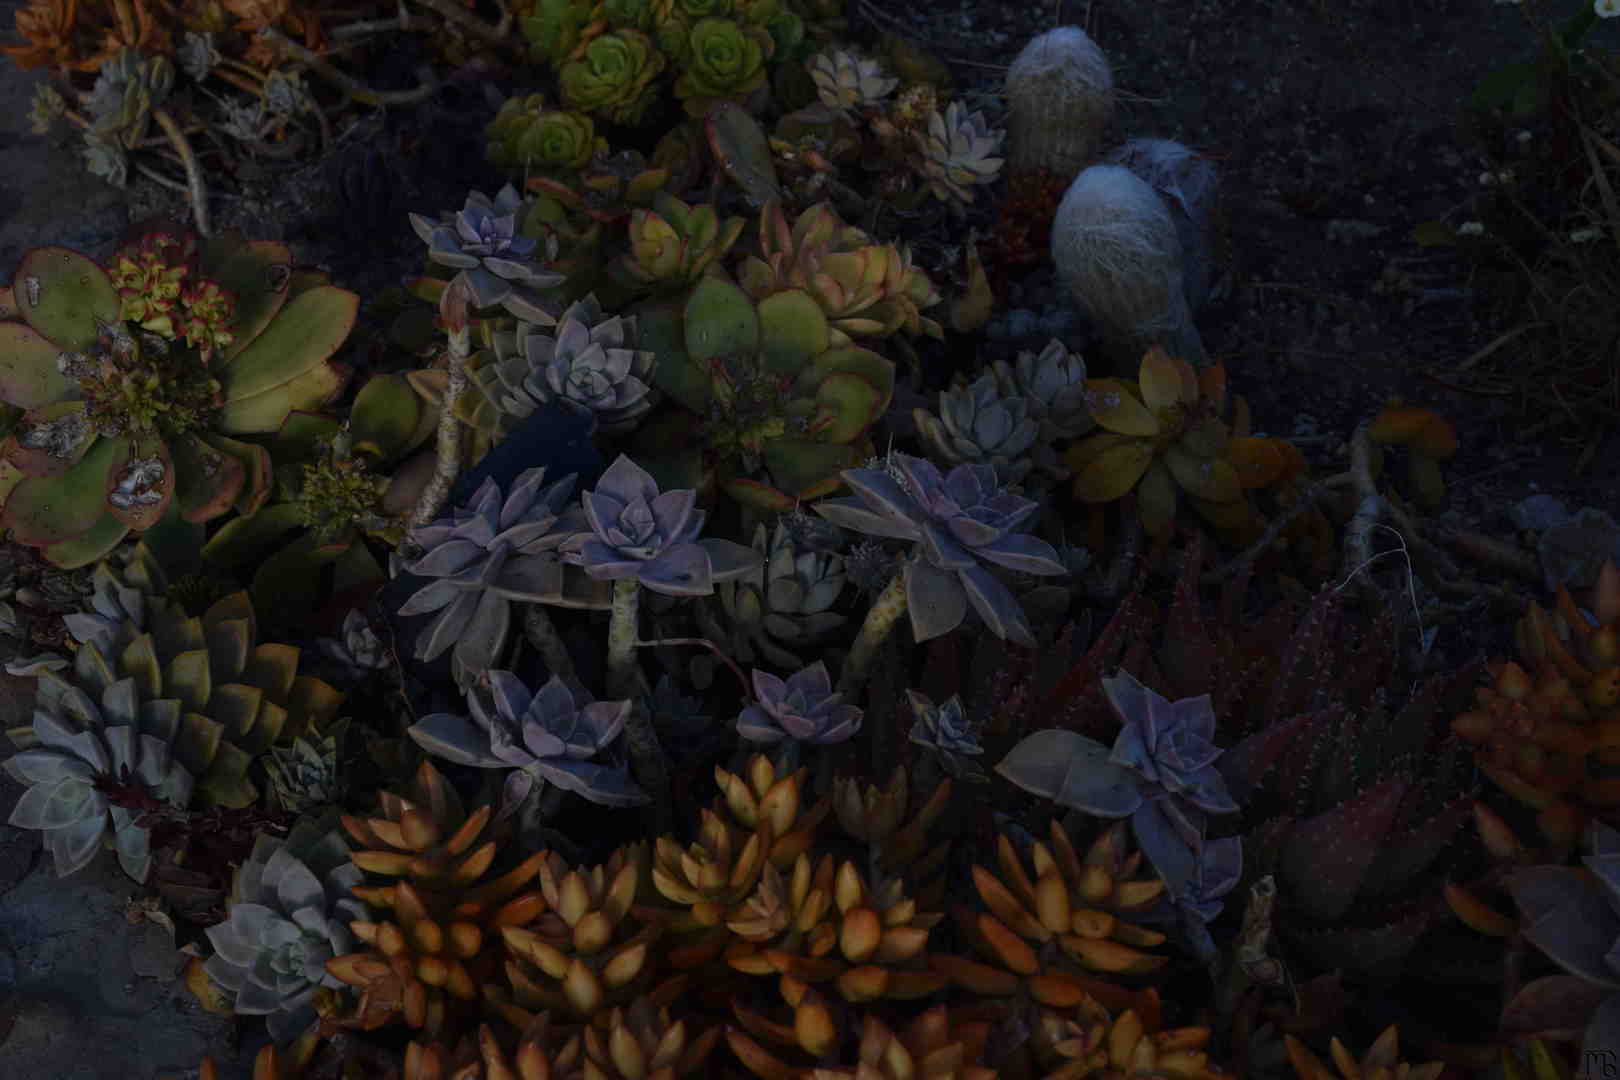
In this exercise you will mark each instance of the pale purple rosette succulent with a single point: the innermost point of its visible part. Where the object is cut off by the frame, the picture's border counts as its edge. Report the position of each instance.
(544, 735)
(498, 264)
(1573, 916)
(636, 532)
(482, 558)
(1160, 773)
(959, 522)
(802, 707)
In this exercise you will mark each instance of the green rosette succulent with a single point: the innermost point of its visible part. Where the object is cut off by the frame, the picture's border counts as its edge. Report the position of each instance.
(674, 244)
(527, 135)
(123, 424)
(554, 29)
(613, 76)
(723, 59)
(783, 408)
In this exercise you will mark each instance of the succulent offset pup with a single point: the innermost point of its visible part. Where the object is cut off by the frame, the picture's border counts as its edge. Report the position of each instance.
(136, 377)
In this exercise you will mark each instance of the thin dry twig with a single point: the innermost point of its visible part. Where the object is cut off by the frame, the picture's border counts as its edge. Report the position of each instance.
(453, 309)
(188, 159)
(354, 88)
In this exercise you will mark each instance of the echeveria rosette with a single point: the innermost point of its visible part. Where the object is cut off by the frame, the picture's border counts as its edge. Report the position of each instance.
(543, 735)
(946, 733)
(289, 913)
(1573, 916)
(482, 558)
(1160, 773)
(959, 522)
(803, 708)
(79, 751)
(498, 264)
(638, 533)
(590, 365)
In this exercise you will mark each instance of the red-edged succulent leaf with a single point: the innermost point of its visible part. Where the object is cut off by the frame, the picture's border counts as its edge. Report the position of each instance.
(1554, 1006)
(140, 489)
(49, 440)
(256, 476)
(29, 375)
(45, 510)
(208, 481)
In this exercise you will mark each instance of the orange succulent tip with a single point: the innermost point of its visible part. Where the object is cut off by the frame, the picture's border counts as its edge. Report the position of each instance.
(465, 939)
(1498, 837)
(1423, 431)
(1008, 947)
(1477, 914)
(1093, 924)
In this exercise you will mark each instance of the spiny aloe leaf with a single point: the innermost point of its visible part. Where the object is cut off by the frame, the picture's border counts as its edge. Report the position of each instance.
(1326, 858)
(62, 293)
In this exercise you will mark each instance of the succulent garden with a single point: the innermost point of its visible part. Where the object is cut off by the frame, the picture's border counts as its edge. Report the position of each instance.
(666, 635)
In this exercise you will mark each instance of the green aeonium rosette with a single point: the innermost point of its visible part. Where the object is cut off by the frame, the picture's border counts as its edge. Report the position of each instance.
(723, 60)
(613, 78)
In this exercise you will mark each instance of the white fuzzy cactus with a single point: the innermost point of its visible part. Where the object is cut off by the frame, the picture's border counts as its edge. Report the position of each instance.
(1060, 97)
(1117, 249)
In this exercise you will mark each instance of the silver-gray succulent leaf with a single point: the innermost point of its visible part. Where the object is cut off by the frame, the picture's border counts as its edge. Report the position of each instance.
(484, 556)
(945, 731)
(289, 913)
(785, 602)
(499, 265)
(544, 733)
(958, 524)
(978, 424)
(78, 756)
(803, 708)
(637, 532)
(1052, 383)
(590, 364)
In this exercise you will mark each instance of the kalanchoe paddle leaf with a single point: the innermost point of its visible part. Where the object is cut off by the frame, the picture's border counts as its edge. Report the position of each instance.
(485, 556)
(638, 532)
(544, 734)
(803, 707)
(959, 521)
(289, 913)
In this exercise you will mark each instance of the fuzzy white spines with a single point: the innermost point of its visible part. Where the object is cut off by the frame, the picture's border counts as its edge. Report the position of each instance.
(1187, 182)
(1060, 97)
(1116, 248)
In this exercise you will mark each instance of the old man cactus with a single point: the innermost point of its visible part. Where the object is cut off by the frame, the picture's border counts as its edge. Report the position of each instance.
(136, 380)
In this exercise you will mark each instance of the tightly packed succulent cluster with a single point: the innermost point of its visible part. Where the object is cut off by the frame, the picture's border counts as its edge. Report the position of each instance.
(691, 649)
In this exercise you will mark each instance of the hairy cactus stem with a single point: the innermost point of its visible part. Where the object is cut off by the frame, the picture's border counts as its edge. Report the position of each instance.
(188, 158)
(453, 310)
(625, 680)
(885, 612)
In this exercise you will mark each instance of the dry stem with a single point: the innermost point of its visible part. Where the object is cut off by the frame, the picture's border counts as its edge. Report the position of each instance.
(188, 158)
